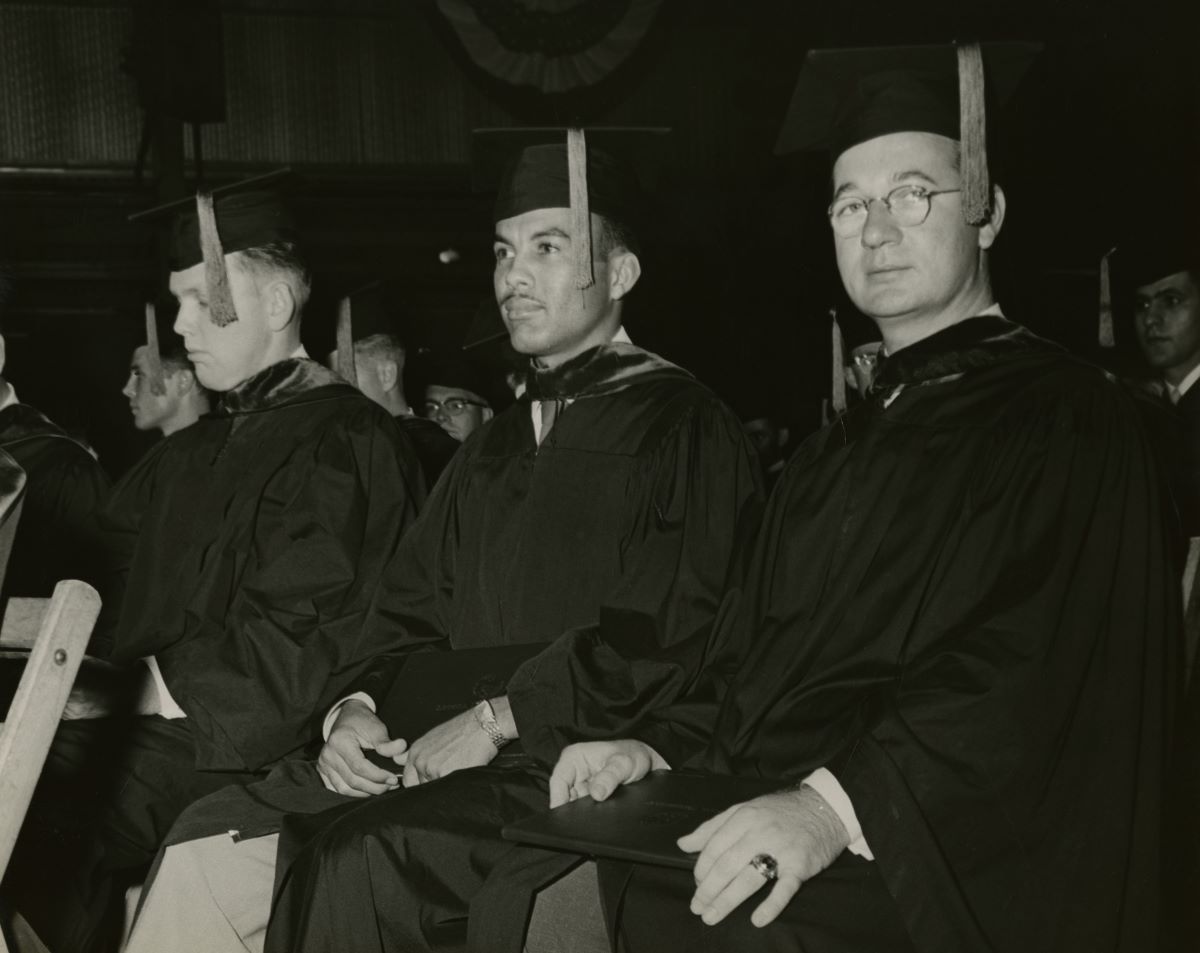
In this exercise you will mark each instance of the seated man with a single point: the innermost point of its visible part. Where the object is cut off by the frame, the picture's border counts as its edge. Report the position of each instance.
(453, 391)
(380, 359)
(258, 537)
(965, 699)
(618, 480)
(1161, 270)
(64, 487)
(168, 397)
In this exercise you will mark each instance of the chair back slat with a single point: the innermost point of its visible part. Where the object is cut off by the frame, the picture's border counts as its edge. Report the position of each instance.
(36, 708)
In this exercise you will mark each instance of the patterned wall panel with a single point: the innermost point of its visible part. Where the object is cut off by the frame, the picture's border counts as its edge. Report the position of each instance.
(305, 89)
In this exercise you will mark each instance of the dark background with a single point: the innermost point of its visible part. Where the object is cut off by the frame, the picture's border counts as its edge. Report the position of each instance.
(373, 103)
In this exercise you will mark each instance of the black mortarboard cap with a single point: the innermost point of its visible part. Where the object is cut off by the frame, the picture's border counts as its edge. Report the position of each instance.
(211, 224)
(608, 171)
(249, 213)
(249, 219)
(456, 369)
(1155, 252)
(848, 96)
(486, 325)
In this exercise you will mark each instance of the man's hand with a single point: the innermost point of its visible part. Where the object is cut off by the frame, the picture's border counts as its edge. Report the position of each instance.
(798, 828)
(597, 768)
(102, 689)
(451, 746)
(343, 767)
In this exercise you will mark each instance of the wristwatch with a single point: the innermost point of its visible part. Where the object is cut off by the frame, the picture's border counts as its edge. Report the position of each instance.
(485, 717)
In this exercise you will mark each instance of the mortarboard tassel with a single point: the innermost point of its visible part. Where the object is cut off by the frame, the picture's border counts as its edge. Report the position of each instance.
(839, 367)
(220, 299)
(977, 192)
(153, 353)
(1107, 337)
(345, 343)
(581, 219)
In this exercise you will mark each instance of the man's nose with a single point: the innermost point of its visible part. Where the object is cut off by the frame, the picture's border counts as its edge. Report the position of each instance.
(879, 228)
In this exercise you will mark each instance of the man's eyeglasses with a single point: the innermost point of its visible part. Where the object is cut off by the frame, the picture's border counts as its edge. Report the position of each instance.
(907, 204)
(453, 406)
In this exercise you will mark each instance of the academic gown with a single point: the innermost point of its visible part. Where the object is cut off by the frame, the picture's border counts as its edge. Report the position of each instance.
(64, 488)
(633, 499)
(435, 448)
(964, 603)
(261, 534)
(1183, 871)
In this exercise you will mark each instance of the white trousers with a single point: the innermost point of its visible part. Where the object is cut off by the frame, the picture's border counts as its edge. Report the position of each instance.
(211, 895)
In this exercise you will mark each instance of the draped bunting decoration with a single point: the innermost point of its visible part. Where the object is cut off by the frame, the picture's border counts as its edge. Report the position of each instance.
(553, 46)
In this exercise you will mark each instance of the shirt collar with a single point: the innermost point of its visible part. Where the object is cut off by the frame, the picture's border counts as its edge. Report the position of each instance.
(1176, 391)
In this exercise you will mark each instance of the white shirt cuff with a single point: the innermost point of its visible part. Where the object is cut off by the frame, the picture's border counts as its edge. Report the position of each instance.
(167, 706)
(327, 726)
(825, 784)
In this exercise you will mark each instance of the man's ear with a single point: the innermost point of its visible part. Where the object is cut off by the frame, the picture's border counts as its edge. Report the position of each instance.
(624, 269)
(991, 228)
(2, 353)
(280, 305)
(487, 414)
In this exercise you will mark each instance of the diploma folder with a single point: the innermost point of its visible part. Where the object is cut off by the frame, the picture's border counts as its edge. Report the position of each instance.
(641, 821)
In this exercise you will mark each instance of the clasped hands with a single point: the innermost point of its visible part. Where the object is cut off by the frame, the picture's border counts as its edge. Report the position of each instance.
(796, 827)
(451, 746)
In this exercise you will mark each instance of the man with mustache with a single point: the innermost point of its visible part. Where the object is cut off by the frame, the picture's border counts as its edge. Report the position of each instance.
(618, 481)
(251, 544)
(965, 704)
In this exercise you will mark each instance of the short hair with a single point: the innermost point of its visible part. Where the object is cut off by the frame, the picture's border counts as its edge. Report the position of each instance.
(616, 235)
(278, 259)
(376, 347)
(172, 354)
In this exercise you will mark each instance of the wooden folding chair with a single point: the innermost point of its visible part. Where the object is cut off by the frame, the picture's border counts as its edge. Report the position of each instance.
(25, 736)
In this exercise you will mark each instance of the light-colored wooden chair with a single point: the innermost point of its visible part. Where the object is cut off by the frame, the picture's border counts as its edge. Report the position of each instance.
(63, 627)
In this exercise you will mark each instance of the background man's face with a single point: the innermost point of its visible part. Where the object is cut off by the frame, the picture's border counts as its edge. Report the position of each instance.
(222, 356)
(459, 425)
(894, 272)
(1167, 318)
(366, 372)
(149, 409)
(534, 279)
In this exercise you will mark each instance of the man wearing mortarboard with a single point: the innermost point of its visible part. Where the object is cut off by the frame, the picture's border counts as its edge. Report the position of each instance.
(618, 481)
(379, 368)
(961, 618)
(1160, 274)
(162, 388)
(255, 541)
(1159, 271)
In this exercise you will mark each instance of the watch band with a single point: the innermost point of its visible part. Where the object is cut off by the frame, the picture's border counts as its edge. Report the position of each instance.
(485, 717)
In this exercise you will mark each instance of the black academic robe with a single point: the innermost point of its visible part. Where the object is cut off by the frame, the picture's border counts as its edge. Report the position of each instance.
(265, 533)
(964, 603)
(261, 534)
(64, 487)
(634, 498)
(435, 448)
(632, 502)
